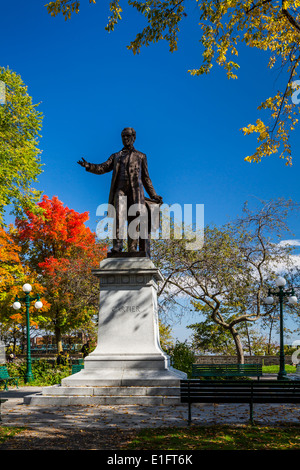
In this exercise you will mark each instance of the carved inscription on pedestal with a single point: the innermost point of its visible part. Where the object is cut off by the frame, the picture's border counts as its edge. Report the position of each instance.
(127, 308)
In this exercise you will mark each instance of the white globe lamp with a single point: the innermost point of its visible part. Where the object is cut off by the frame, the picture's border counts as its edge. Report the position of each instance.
(269, 300)
(280, 281)
(27, 288)
(38, 304)
(16, 305)
(293, 300)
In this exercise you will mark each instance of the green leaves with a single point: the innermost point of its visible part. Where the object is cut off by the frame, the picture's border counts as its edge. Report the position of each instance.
(115, 10)
(163, 18)
(66, 7)
(20, 124)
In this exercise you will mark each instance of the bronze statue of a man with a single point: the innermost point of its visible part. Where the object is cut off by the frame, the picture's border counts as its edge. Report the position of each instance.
(130, 175)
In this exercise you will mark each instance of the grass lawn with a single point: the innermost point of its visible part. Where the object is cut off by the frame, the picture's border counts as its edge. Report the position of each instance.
(218, 438)
(6, 432)
(194, 438)
(275, 369)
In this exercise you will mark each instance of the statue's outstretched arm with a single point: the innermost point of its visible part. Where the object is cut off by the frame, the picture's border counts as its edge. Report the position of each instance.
(98, 168)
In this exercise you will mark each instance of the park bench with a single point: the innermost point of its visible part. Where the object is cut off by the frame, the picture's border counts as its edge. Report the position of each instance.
(77, 368)
(77, 361)
(227, 370)
(5, 377)
(247, 391)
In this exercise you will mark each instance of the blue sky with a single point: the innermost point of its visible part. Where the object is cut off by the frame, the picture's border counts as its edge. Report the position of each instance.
(90, 87)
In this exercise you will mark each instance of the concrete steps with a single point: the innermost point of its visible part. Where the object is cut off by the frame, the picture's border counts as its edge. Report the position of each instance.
(129, 395)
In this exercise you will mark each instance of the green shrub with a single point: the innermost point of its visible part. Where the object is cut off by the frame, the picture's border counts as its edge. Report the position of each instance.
(182, 357)
(44, 372)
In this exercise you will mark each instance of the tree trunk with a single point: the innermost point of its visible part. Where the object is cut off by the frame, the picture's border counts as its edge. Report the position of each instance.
(249, 340)
(238, 345)
(58, 338)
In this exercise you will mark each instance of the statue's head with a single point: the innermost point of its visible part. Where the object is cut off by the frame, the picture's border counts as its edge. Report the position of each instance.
(128, 136)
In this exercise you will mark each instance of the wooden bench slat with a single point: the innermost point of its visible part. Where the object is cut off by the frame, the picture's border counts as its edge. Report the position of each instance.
(233, 370)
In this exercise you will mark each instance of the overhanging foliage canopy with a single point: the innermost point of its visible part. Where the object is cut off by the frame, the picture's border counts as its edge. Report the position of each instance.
(224, 25)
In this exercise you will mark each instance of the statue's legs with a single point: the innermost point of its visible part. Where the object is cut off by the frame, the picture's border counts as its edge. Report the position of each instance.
(122, 201)
(144, 245)
(141, 235)
(120, 204)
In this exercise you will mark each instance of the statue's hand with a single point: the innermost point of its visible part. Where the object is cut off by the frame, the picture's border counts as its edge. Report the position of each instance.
(83, 163)
(158, 199)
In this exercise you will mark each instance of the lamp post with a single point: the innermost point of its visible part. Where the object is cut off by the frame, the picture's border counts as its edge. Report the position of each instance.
(280, 283)
(17, 305)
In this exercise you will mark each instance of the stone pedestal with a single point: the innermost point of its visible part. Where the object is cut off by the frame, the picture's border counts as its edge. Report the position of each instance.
(128, 364)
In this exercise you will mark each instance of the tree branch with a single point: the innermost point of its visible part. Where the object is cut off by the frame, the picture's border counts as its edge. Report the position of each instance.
(257, 5)
(290, 18)
(285, 94)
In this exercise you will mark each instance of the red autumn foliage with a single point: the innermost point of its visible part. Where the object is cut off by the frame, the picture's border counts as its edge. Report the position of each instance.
(62, 251)
(58, 241)
(58, 231)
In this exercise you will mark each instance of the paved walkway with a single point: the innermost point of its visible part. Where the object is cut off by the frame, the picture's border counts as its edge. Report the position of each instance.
(42, 417)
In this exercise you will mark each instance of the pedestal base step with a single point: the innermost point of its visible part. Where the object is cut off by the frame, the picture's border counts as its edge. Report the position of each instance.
(59, 395)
